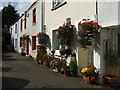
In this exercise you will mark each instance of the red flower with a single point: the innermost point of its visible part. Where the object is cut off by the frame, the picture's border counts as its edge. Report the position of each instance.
(88, 66)
(56, 65)
(68, 24)
(96, 23)
(72, 25)
(93, 68)
(87, 71)
(79, 23)
(91, 22)
(98, 27)
(93, 79)
(83, 19)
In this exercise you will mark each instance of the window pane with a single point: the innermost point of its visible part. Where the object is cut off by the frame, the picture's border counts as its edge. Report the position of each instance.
(55, 41)
(33, 42)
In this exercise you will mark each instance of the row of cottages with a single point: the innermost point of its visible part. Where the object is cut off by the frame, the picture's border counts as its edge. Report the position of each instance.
(47, 16)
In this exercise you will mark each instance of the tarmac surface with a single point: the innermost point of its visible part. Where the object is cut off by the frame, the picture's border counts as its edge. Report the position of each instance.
(21, 72)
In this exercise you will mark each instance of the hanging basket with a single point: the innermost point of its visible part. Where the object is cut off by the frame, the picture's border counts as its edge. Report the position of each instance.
(88, 30)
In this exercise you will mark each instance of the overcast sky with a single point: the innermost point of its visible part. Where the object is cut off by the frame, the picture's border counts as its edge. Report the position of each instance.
(20, 5)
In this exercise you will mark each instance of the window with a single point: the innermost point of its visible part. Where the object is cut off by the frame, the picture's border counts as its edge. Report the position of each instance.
(33, 42)
(34, 15)
(55, 41)
(58, 3)
(11, 31)
(25, 20)
(21, 24)
(15, 28)
(20, 41)
(15, 43)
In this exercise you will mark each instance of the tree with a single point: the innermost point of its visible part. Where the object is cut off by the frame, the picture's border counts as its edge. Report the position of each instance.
(9, 15)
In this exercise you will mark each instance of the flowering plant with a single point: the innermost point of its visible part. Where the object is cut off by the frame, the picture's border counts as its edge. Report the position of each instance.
(42, 38)
(90, 71)
(88, 29)
(65, 32)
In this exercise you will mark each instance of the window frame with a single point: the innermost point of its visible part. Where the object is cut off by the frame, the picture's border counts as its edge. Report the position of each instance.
(57, 3)
(25, 21)
(34, 18)
(21, 26)
(53, 41)
(34, 43)
(20, 41)
(15, 28)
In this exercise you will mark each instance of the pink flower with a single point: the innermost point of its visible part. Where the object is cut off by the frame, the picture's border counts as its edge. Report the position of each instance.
(93, 34)
(87, 31)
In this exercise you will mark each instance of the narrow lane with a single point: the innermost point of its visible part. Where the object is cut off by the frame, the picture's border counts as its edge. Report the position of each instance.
(20, 72)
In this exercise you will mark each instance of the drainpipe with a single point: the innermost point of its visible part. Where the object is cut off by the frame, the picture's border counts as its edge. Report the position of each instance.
(43, 16)
(97, 9)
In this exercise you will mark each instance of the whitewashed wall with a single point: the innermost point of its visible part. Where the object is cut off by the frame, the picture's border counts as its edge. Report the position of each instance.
(108, 17)
(108, 12)
(30, 30)
(75, 10)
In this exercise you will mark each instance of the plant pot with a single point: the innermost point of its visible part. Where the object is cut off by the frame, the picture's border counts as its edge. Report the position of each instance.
(23, 53)
(86, 79)
(110, 80)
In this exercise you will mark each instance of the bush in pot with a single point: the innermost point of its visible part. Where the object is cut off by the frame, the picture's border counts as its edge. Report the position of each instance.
(73, 67)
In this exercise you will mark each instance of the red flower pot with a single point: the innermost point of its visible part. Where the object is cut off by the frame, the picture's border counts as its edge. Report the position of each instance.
(91, 80)
(86, 79)
(110, 80)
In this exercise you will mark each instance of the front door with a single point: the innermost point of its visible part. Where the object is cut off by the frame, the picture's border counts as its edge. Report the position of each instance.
(27, 51)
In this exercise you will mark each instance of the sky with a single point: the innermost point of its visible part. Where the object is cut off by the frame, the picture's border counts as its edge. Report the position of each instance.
(20, 5)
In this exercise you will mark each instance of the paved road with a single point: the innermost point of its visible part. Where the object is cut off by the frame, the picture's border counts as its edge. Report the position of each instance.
(20, 72)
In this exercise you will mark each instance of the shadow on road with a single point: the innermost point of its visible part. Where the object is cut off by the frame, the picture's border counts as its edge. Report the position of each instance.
(9, 82)
(6, 69)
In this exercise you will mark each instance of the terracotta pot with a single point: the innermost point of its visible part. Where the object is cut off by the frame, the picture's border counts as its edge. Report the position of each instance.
(86, 79)
(110, 80)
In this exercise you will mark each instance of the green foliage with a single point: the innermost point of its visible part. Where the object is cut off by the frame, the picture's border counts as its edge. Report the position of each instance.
(5, 37)
(73, 65)
(9, 15)
(43, 38)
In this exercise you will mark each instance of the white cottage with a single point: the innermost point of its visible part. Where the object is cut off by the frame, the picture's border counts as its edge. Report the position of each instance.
(30, 24)
(49, 15)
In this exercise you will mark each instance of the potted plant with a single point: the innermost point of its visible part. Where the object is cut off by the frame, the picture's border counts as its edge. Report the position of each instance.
(89, 74)
(43, 38)
(73, 68)
(88, 29)
(65, 33)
